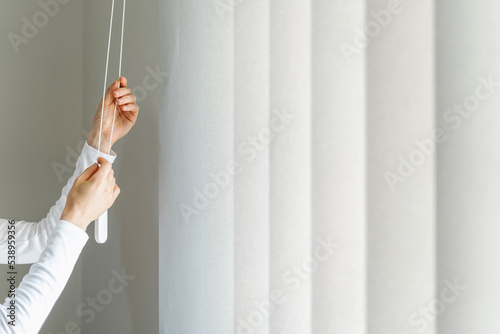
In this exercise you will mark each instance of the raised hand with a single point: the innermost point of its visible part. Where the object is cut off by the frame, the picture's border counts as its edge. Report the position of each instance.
(127, 112)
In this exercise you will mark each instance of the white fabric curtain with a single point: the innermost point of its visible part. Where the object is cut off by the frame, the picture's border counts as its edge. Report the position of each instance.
(311, 178)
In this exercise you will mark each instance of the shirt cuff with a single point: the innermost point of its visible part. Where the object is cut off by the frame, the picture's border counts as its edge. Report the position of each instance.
(91, 153)
(76, 233)
(73, 237)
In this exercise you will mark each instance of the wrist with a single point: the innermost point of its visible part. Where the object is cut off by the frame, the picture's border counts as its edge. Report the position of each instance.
(72, 217)
(93, 141)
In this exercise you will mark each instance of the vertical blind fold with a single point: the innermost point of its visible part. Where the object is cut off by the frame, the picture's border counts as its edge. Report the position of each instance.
(219, 222)
(252, 115)
(290, 165)
(401, 219)
(338, 169)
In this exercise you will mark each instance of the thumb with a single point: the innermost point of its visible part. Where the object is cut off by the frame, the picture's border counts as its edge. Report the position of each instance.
(88, 173)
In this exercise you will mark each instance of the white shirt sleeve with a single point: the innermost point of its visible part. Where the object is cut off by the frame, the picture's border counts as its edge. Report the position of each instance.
(41, 287)
(31, 238)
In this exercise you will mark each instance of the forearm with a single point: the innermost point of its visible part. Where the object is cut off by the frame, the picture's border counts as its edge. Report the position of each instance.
(33, 236)
(42, 286)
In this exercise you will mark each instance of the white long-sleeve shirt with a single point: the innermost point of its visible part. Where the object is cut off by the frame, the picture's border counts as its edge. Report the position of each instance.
(55, 246)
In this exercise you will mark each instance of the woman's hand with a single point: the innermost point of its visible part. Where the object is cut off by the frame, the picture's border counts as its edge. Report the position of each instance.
(126, 115)
(92, 194)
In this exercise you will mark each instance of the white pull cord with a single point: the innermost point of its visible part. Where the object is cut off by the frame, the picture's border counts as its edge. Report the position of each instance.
(101, 224)
(119, 76)
(106, 77)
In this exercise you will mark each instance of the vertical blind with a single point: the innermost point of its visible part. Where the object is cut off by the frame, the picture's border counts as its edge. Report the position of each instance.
(304, 183)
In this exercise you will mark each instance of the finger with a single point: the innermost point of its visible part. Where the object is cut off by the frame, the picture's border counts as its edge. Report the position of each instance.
(104, 169)
(116, 192)
(123, 82)
(111, 176)
(132, 108)
(127, 99)
(111, 180)
(109, 99)
(102, 160)
(121, 92)
(88, 173)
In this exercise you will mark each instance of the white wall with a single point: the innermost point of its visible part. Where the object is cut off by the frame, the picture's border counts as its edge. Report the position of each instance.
(41, 113)
(51, 90)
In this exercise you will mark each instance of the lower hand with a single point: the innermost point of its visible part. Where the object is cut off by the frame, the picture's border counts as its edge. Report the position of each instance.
(92, 194)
